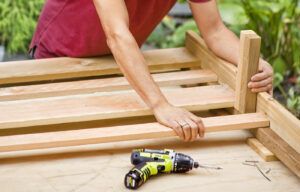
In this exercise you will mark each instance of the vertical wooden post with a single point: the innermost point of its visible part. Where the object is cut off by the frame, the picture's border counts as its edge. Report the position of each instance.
(245, 100)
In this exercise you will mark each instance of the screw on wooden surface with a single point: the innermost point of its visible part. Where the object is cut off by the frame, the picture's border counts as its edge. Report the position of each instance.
(250, 161)
(258, 168)
(268, 171)
(249, 164)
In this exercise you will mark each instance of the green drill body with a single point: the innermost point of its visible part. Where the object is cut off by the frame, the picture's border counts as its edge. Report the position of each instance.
(151, 162)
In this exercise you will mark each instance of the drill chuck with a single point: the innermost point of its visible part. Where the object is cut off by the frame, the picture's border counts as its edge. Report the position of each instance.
(183, 163)
(196, 165)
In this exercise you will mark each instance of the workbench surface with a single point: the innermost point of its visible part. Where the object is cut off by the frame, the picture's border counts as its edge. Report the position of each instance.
(103, 167)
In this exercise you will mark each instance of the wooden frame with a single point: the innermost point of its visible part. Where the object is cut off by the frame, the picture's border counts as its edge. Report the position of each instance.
(284, 128)
(31, 100)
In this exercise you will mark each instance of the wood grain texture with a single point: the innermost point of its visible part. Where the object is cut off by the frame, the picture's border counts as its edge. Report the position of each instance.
(123, 133)
(90, 107)
(283, 123)
(260, 149)
(64, 68)
(283, 151)
(102, 167)
(245, 99)
(100, 85)
(225, 71)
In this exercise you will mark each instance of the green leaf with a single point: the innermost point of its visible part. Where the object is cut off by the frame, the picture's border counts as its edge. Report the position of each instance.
(17, 23)
(291, 93)
(278, 79)
(169, 23)
(233, 14)
(178, 37)
(279, 66)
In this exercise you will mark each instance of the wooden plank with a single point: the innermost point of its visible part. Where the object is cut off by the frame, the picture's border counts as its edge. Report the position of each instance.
(64, 68)
(283, 151)
(260, 149)
(283, 123)
(99, 85)
(225, 71)
(123, 133)
(90, 107)
(245, 101)
(91, 124)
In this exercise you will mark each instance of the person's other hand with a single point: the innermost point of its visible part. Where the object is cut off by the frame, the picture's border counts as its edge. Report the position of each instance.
(263, 80)
(185, 124)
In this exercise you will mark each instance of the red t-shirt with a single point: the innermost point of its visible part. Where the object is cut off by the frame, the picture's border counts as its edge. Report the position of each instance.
(72, 28)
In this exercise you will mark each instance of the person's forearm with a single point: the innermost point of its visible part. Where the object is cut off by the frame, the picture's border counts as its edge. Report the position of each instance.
(224, 43)
(217, 36)
(134, 67)
(127, 54)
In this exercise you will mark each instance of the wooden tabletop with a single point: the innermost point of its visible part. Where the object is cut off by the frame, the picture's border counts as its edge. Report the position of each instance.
(103, 167)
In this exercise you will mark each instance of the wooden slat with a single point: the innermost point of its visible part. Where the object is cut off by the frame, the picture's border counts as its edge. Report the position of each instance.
(89, 107)
(261, 150)
(245, 99)
(63, 68)
(98, 85)
(283, 123)
(283, 151)
(225, 71)
(123, 133)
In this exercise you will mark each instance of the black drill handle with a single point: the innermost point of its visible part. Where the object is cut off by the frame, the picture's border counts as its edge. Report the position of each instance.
(136, 177)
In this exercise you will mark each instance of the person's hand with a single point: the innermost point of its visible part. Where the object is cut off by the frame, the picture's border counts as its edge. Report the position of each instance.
(185, 124)
(263, 80)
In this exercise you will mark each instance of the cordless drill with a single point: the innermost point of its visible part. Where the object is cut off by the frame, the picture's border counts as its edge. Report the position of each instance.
(151, 162)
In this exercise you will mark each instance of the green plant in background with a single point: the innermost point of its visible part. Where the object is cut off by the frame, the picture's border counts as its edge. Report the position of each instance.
(17, 23)
(293, 101)
(278, 23)
(167, 34)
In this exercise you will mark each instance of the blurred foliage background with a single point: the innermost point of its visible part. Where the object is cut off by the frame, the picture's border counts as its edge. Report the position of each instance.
(17, 23)
(276, 21)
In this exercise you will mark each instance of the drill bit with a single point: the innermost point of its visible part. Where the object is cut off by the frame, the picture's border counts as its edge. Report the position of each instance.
(210, 167)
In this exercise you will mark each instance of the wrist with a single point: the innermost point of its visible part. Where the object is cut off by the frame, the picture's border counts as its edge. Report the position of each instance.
(159, 104)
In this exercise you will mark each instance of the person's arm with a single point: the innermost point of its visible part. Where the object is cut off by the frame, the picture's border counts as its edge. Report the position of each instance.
(225, 43)
(115, 22)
